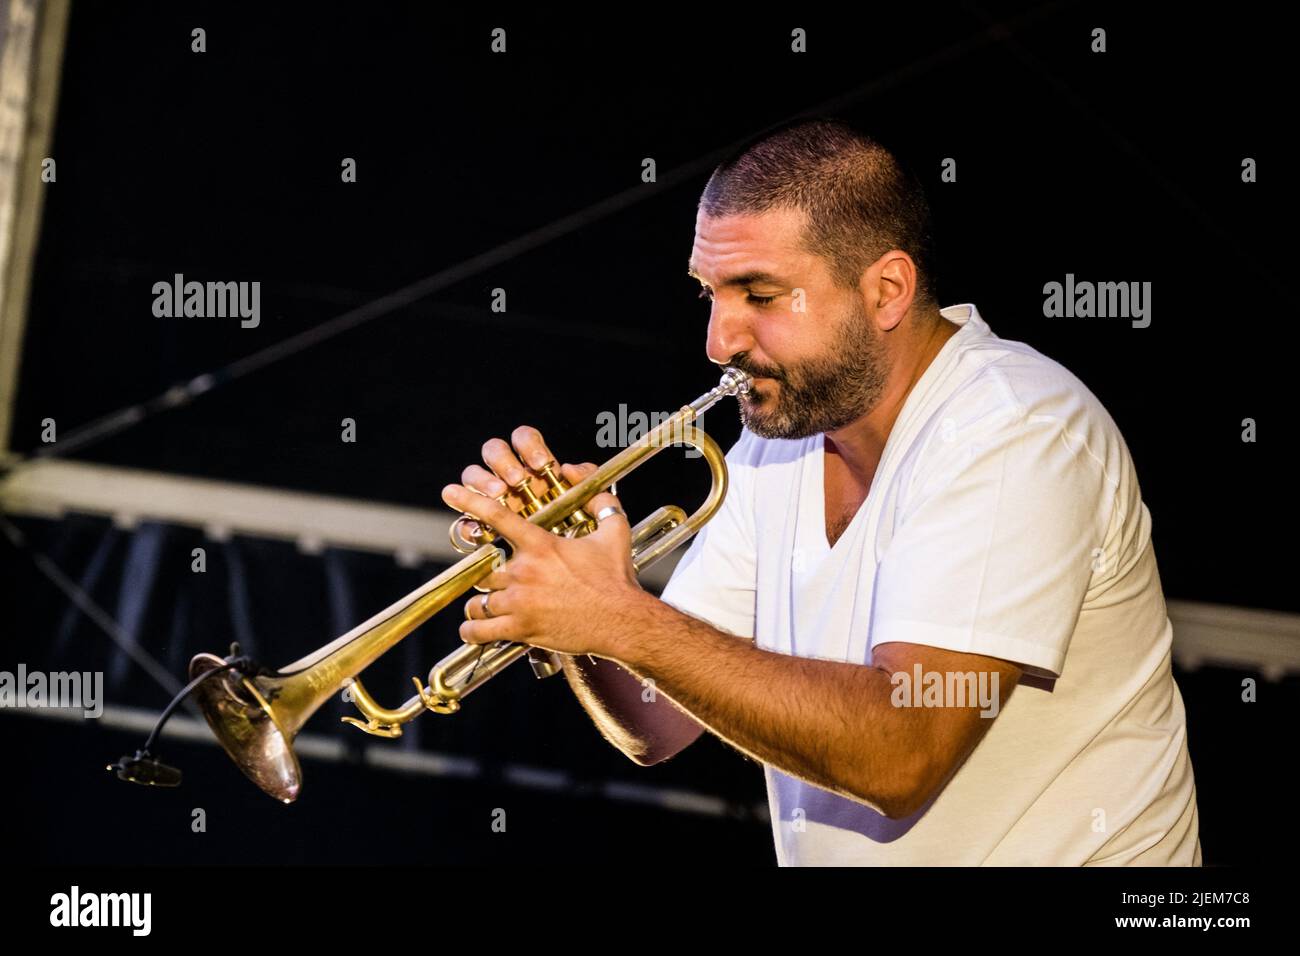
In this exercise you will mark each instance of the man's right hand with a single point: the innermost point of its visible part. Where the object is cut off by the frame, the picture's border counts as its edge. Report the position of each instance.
(611, 695)
(508, 467)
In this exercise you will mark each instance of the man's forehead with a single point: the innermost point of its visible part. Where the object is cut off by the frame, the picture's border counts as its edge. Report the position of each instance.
(770, 239)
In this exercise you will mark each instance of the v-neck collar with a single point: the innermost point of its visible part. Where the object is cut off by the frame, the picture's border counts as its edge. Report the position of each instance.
(915, 396)
(819, 482)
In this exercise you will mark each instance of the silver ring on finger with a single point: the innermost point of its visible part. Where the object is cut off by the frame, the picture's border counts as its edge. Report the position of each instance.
(608, 510)
(483, 602)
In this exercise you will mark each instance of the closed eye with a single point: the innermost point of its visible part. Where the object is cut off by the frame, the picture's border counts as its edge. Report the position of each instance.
(707, 293)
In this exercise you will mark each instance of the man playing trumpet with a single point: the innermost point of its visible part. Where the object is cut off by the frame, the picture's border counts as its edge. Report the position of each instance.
(929, 604)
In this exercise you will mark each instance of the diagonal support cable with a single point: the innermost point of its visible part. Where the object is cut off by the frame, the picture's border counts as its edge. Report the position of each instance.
(182, 394)
(92, 610)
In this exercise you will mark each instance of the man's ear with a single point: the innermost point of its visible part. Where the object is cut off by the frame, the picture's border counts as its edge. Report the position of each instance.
(889, 287)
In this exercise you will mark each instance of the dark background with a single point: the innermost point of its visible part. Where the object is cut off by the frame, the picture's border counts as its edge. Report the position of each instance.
(225, 165)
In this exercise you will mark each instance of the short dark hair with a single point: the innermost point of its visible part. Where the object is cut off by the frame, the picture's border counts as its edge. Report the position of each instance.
(859, 199)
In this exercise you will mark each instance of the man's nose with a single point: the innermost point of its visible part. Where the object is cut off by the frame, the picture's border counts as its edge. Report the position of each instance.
(729, 334)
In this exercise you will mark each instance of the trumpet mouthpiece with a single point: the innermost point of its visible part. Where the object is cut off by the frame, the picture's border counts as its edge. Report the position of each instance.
(735, 381)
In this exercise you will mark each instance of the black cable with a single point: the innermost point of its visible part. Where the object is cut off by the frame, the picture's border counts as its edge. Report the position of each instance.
(143, 767)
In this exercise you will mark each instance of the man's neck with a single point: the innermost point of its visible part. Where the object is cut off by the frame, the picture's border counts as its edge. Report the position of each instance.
(861, 442)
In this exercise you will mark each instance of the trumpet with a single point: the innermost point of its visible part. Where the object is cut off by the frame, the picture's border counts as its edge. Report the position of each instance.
(256, 713)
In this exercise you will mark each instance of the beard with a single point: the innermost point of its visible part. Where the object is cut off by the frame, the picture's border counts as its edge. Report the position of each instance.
(823, 393)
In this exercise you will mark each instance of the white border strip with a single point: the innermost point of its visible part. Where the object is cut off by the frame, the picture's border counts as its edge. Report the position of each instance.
(51, 488)
(1247, 638)
(1238, 637)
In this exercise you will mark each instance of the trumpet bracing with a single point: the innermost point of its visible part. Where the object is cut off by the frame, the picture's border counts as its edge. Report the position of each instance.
(256, 713)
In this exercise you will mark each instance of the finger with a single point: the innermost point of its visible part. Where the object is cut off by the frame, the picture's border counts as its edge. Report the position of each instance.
(531, 448)
(603, 500)
(496, 581)
(498, 603)
(500, 457)
(483, 481)
(493, 629)
(502, 520)
(597, 503)
(575, 473)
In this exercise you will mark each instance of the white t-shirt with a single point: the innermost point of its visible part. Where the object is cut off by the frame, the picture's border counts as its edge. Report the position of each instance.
(1004, 519)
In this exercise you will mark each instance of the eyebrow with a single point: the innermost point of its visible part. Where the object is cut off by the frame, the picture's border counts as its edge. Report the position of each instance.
(743, 279)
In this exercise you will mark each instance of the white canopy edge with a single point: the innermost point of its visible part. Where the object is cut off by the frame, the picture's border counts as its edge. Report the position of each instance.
(1224, 635)
(51, 488)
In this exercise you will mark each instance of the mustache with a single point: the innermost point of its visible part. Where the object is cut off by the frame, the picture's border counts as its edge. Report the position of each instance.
(758, 371)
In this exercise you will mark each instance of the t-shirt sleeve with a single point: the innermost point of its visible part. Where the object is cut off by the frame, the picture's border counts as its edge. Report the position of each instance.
(715, 579)
(995, 546)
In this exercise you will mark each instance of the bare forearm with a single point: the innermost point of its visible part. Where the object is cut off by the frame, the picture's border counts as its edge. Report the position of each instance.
(639, 723)
(827, 722)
